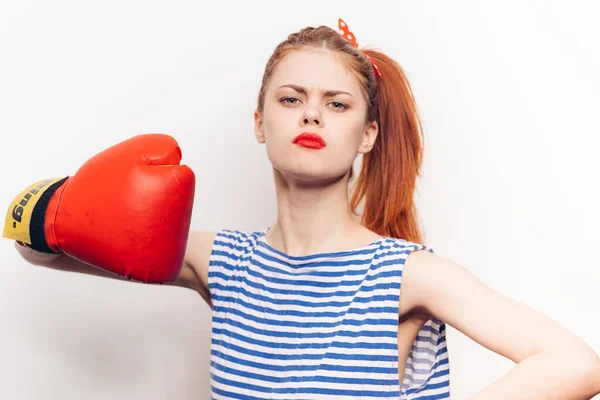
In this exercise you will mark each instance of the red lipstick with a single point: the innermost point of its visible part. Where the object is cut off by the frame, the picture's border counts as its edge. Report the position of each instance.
(310, 139)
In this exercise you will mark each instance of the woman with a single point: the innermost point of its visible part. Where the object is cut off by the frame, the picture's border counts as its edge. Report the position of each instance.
(320, 306)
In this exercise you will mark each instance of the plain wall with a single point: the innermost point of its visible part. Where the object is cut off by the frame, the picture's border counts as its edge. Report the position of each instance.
(508, 93)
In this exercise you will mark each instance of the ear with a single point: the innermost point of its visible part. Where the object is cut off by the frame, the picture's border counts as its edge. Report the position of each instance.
(258, 128)
(369, 136)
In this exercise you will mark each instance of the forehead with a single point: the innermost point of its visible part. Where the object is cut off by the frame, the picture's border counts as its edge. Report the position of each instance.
(314, 69)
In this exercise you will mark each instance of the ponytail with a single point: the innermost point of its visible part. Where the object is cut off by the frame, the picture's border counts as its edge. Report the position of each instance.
(387, 180)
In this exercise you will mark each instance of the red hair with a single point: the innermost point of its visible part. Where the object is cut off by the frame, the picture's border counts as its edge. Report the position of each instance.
(387, 180)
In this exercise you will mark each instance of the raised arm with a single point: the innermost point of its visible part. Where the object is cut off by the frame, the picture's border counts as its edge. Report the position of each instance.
(126, 211)
(193, 274)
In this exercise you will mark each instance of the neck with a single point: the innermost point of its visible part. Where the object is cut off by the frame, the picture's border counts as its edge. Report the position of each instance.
(315, 219)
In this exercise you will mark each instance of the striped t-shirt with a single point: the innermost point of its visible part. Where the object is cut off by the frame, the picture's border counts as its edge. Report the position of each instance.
(323, 326)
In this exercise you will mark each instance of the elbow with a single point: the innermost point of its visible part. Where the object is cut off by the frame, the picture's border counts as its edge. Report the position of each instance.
(589, 375)
(594, 377)
(579, 366)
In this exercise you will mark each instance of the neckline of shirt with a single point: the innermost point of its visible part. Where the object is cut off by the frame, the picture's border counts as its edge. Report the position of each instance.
(333, 254)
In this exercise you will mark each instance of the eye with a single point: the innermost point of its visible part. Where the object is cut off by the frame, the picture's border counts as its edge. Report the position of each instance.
(289, 100)
(339, 106)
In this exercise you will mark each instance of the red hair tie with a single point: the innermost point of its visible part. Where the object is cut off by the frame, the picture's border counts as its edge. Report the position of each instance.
(349, 36)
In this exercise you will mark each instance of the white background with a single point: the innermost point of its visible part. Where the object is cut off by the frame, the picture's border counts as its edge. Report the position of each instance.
(508, 92)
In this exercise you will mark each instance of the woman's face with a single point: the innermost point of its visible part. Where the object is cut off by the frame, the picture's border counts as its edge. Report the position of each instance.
(297, 101)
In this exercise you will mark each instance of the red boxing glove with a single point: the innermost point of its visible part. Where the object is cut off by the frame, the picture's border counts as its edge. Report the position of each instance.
(127, 210)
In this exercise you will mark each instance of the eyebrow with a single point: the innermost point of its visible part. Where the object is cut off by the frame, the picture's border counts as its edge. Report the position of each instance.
(327, 93)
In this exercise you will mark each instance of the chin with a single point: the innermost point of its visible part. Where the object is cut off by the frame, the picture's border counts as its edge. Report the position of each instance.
(313, 176)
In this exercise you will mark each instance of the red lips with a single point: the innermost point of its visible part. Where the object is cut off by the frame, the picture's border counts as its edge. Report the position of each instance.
(310, 139)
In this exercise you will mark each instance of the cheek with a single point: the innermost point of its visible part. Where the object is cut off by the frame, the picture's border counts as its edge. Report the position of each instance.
(353, 135)
(275, 126)
(344, 154)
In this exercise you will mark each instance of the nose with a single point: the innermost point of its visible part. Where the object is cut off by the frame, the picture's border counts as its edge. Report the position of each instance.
(312, 116)
(315, 120)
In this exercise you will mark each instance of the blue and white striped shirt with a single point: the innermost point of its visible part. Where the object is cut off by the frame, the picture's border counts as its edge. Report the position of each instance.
(323, 326)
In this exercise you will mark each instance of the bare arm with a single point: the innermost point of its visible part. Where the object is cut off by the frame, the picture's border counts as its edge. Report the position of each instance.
(61, 262)
(552, 363)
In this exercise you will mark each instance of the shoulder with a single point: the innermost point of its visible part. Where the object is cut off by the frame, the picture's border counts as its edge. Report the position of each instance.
(235, 242)
(415, 261)
(423, 273)
(236, 237)
(402, 250)
(439, 287)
